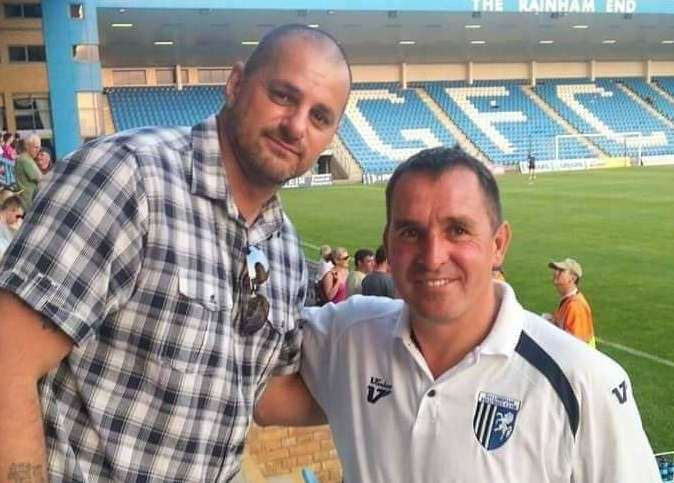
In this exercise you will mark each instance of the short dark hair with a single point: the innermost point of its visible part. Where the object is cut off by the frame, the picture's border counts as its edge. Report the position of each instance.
(362, 254)
(266, 49)
(380, 255)
(434, 162)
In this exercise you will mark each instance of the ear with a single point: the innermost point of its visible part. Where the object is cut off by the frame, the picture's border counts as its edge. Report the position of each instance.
(501, 243)
(234, 81)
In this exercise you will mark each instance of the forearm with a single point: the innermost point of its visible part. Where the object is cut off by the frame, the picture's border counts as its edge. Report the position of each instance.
(287, 402)
(22, 442)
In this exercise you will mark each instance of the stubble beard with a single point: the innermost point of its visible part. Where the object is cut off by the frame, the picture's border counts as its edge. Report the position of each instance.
(259, 168)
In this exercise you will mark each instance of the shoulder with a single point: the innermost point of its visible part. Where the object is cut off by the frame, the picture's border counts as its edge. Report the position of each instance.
(577, 361)
(141, 141)
(355, 313)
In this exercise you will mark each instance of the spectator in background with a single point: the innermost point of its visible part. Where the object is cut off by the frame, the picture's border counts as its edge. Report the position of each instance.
(28, 175)
(8, 149)
(43, 161)
(333, 284)
(364, 261)
(325, 263)
(379, 282)
(573, 313)
(11, 213)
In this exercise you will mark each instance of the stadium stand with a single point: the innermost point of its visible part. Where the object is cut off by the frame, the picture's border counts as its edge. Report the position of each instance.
(650, 95)
(385, 124)
(601, 107)
(502, 120)
(162, 106)
(666, 84)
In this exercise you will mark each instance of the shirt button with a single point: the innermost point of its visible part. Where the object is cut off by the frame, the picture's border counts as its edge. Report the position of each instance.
(431, 393)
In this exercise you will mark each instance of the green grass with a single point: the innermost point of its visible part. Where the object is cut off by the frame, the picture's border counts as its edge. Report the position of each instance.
(618, 223)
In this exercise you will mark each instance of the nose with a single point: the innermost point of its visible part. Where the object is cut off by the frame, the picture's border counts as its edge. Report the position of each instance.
(294, 124)
(435, 251)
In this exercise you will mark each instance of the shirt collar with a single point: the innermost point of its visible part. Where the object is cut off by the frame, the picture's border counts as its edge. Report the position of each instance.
(504, 334)
(569, 294)
(209, 179)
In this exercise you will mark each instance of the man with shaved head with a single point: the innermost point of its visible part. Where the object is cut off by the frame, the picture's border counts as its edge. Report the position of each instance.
(156, 285)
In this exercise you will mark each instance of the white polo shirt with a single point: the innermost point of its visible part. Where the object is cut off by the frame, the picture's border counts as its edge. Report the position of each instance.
(531, 404)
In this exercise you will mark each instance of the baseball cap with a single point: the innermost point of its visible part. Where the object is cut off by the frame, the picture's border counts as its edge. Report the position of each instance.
(568, 264)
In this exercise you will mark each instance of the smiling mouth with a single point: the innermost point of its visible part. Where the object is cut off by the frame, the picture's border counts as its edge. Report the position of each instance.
(435, 283)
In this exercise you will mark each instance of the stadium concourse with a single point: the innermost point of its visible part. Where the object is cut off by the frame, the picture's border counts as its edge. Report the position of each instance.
(576, 84)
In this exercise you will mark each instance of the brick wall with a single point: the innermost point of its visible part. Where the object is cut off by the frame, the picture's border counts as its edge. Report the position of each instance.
(279, 451)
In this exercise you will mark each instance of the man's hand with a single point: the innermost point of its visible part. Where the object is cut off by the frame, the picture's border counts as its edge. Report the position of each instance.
(286, 401)
(30, 346)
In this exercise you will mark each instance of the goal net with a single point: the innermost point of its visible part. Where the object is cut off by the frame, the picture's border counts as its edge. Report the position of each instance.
(617, 149)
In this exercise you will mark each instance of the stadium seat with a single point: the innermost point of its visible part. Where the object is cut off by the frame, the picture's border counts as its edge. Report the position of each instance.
(134, 107)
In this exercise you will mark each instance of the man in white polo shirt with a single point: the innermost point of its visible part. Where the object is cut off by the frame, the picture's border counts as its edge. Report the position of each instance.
(458, 382)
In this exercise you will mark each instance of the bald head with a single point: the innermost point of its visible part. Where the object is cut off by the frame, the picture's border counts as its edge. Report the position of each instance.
(267, 50)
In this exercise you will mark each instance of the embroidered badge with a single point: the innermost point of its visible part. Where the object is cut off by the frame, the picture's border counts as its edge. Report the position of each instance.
(494, 419)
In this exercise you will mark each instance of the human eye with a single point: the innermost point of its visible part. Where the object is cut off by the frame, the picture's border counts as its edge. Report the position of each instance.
(280, 96)
(457, 230)
(408, 233)
(321, 118)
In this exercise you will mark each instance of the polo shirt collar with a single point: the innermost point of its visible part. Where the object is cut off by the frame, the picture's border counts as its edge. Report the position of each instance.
(505, 332)
(209, 179)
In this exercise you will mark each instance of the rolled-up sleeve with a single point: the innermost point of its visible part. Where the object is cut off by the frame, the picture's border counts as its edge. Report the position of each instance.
(79, 251)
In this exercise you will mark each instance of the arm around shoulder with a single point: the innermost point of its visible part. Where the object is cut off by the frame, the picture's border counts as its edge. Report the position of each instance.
(286, 401)
(30, 346)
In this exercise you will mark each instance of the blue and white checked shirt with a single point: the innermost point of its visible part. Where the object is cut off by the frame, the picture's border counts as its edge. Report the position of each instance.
(135, 249)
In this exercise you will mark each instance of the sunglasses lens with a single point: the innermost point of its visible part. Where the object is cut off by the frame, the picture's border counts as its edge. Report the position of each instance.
(257, 265)
(255, 314)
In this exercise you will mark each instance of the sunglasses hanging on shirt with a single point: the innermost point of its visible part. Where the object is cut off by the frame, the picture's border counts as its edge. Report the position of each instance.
(256, 308)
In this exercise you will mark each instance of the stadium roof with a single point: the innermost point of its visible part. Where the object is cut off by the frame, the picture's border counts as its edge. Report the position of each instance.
(211, 36)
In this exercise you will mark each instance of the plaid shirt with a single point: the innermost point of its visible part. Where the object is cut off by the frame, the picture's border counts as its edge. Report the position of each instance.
(135, 249)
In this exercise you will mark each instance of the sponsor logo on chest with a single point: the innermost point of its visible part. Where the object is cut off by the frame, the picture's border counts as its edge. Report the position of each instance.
(494, 419)
(377, 389)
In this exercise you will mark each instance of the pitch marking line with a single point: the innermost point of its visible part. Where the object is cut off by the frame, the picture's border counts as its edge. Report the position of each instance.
(307, 244)
(635, 352)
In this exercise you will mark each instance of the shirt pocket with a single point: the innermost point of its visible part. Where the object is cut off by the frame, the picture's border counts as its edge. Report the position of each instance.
(192, 313)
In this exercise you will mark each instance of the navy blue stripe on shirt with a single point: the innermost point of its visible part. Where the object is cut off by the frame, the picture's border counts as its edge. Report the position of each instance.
(537, 357)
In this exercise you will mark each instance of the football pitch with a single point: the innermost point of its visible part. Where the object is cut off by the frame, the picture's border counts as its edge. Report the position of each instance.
(618, 223)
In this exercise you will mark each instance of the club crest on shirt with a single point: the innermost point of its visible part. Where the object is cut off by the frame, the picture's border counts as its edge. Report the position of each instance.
(377, 389)
(494, 419)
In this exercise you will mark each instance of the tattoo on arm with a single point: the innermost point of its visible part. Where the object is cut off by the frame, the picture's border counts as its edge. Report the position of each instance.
(25, 473)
